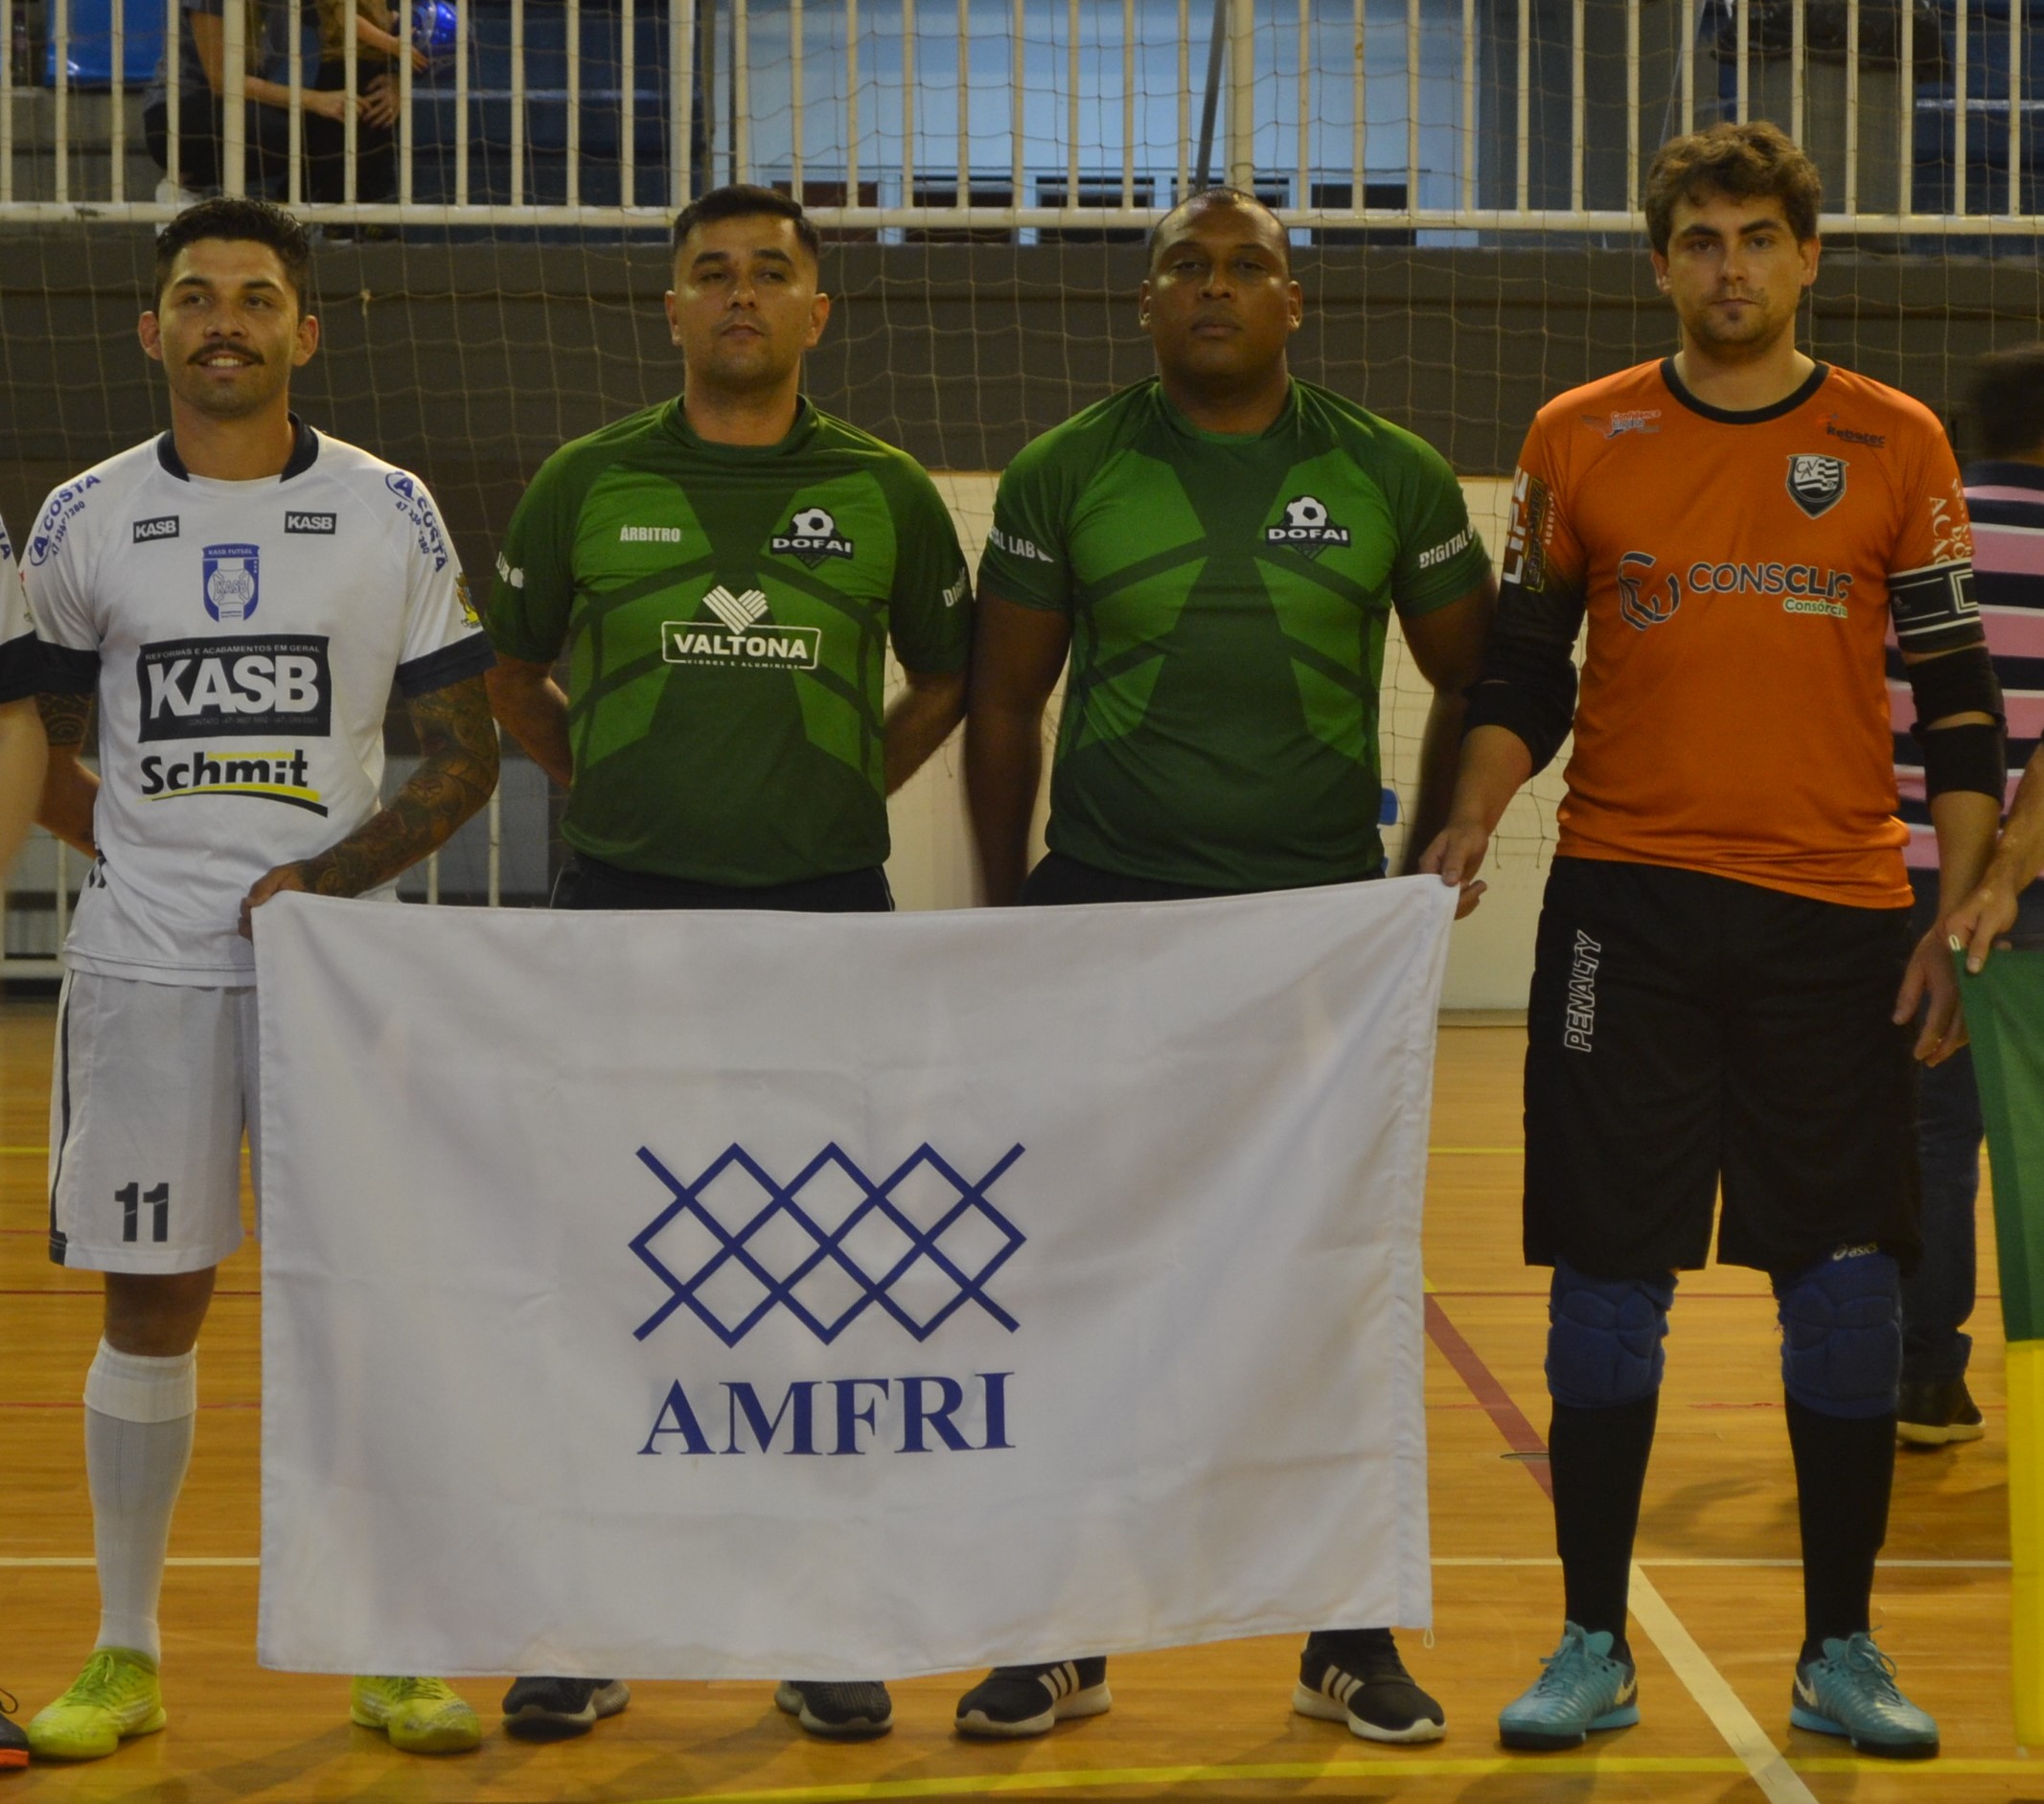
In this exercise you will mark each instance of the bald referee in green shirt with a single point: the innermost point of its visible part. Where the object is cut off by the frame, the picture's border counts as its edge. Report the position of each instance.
(726, 572)
(1217, 553)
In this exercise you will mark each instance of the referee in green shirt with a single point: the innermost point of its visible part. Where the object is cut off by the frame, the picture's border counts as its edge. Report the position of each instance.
(725, 572)
(1216, 552)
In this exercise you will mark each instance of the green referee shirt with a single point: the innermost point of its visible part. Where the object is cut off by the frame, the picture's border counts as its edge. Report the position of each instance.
(727, 610)
(1229, 597)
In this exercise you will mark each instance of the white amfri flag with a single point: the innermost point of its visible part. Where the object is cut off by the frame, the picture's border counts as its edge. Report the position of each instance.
(715, 1295)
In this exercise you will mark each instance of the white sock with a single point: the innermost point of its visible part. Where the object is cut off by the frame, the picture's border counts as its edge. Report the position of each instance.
(139, 1415)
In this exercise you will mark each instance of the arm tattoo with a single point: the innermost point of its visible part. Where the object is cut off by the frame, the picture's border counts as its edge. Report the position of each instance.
(64, 717)
(456, 771)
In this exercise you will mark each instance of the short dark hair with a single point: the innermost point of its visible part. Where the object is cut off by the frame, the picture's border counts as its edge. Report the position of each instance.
(1218, 196)
(238, 219)
(2008, 402)
(1750, 162)
(742, 200)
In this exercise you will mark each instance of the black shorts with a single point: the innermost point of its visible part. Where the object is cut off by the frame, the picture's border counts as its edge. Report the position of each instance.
(590, 883)
(1685, 1031)
(1058, 880)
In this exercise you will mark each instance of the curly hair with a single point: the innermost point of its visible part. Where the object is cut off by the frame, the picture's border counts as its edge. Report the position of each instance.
(1748, 162)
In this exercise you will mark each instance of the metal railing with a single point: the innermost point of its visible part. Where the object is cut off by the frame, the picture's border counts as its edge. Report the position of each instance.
(894, 117)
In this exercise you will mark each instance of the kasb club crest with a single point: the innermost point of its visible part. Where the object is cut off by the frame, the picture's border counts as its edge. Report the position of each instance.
(1816, 483)
(230, 581)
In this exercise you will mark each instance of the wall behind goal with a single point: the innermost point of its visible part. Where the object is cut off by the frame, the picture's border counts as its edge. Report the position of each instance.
(471, 361)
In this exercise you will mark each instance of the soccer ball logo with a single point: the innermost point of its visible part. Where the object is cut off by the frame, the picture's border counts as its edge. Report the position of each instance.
(813, 537)
(1307, 529)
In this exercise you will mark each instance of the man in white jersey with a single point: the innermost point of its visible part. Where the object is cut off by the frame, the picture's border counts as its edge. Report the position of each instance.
(21, 767)
(21, 740)
(239, 593)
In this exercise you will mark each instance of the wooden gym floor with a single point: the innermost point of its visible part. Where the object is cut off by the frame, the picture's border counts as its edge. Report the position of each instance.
(1717, 1600)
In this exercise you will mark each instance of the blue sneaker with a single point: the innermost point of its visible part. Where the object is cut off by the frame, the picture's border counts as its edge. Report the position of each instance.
(1852, 1692)
(1581, 1689)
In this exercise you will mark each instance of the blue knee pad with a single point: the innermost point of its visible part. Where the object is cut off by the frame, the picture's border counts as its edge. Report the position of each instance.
(1604, 1338)
(1842, 1334)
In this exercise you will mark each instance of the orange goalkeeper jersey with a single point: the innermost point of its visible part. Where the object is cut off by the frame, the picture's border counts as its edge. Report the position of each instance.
(1736, 573)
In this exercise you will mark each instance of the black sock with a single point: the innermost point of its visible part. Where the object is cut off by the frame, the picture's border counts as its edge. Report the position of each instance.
(1598, 1461)
(1843, 1473)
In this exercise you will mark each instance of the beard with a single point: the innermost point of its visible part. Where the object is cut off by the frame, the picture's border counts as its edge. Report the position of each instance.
(1757, 328)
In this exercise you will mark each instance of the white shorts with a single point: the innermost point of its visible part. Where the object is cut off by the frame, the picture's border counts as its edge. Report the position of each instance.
(152, 1087)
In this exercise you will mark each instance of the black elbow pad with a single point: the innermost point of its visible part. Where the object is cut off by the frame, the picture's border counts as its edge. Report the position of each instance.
(1529, 689)
(1959, 682)
(1971, 757)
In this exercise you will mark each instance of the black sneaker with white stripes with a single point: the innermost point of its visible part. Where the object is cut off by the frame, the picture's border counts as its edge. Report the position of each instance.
(545, 1709)
(1354, 1676)
(1016, 1700)
(845, 1709)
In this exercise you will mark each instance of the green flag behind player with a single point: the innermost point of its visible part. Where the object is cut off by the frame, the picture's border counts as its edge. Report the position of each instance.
(2005, 1014)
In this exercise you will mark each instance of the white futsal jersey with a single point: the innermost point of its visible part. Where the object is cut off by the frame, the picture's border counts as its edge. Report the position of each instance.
(242, 637)
(20, 666)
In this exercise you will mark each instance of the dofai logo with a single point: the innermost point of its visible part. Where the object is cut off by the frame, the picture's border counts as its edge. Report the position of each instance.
(1308, 528)
(813, 536)
(827, 1245)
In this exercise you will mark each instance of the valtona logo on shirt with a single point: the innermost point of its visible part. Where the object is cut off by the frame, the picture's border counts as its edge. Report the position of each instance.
(1306, 529)
(813, 536)
(743, 639)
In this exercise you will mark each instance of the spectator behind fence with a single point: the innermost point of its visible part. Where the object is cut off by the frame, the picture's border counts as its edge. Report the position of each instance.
(201, 81)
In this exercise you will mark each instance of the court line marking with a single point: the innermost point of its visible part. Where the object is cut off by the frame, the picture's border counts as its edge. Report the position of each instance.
(1445, 1152)
(1765, 1762)
(1519, 1435)
(86, 1561)
(1380, 1768)
(1489, 1561)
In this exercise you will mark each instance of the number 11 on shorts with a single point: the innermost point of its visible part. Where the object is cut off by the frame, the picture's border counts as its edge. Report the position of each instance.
(132, 1197)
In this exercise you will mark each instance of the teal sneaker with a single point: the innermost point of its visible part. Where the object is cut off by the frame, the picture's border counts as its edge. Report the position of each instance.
(1581, 1689)
(1852, 1692)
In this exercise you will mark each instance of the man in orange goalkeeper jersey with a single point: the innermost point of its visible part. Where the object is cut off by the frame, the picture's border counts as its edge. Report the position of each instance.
(1724, 970)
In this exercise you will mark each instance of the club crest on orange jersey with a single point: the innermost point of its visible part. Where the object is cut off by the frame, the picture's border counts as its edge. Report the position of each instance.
(1816, 483)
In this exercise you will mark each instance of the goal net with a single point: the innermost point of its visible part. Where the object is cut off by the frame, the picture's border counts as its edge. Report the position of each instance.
(1461, 177)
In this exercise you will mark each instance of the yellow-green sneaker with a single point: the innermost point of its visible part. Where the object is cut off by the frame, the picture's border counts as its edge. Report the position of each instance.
(115, 1697)
(422, 1716)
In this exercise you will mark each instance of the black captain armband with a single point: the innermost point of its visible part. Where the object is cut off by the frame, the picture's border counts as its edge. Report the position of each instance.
(1935, 609)
(1972, 757)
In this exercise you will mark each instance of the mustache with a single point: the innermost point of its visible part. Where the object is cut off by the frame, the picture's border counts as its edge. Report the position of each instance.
(220, 348)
